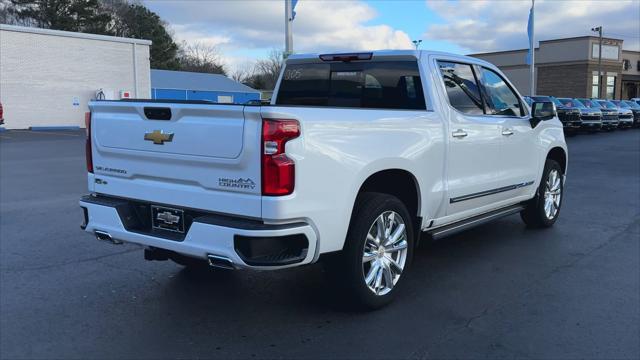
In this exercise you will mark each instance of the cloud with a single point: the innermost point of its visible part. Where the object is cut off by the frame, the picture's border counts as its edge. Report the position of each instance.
(480, 26)
(319, 25)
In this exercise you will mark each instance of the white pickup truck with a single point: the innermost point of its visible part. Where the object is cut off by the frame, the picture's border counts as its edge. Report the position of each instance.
(355, 158)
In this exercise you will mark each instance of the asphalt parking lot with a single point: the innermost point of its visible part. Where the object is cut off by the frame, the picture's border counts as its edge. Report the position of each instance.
(497, 291)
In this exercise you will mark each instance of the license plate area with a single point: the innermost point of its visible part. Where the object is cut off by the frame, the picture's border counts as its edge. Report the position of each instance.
(169, 219)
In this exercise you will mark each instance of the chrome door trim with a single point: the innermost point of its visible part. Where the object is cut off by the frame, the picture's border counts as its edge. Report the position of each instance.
(489, 192)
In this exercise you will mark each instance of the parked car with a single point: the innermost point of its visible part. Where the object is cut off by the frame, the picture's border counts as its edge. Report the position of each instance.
(636, 100)
(1, 114)
(569, 116)
(609, 115)
(355, 157)
(635, 108)
(625, 115)
(591, 118)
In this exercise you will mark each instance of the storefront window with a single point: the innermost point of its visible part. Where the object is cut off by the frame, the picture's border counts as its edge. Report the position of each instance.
(594, 87)
(611, 87)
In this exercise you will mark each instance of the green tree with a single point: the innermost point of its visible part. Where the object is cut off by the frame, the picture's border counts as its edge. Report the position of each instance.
(134, 20)
(69, 15)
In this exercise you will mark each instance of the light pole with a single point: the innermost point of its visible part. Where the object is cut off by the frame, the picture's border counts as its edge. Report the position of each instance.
(599, 31)
(417, 43)
(288, 36)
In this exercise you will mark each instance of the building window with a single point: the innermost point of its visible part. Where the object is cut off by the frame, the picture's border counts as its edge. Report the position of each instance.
(594, 87)
(611, 86)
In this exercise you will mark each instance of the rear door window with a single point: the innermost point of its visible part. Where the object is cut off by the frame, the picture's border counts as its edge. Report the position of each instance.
(375, 85)
(461, 86)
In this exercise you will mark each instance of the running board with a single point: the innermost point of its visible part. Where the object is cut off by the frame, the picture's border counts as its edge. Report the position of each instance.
(466, 224)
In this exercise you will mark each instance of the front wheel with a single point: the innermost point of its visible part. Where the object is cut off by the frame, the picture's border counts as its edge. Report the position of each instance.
(543, 210)
(377, 252)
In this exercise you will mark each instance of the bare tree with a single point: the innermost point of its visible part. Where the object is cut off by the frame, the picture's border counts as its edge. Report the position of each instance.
(201, 57)
(243, 73)
(267, 70)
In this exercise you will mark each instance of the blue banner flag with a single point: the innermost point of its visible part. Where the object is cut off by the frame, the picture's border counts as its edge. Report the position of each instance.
(530, 33)
(293, 9)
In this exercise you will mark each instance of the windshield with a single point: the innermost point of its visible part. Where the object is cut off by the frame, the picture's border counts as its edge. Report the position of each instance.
(528, 100)
(556, 101)
(541, 99)
(621, 104)
(572, 103)
(607, 105)
(633, 104)
(590, 104)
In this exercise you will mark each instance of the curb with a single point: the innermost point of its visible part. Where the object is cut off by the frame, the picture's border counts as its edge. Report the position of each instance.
(53, 128)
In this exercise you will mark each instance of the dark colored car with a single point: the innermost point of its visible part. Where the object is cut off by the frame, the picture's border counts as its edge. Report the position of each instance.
(568, 115)
(609, 112)
(635, 109)
(625, 114)
(591, 118)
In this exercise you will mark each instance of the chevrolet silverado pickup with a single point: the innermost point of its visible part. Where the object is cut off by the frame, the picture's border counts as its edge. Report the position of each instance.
(355, 158)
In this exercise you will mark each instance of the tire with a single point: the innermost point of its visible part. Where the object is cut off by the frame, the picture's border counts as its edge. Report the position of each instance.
(543, 210)
(373, 283)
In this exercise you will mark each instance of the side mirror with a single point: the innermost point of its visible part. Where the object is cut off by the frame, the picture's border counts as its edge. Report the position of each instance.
(542, 111)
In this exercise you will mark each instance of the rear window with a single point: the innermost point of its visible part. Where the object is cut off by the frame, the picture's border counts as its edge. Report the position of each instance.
(375, 85)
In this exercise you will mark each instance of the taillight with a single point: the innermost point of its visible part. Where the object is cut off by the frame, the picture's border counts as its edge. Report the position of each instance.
(87, 146)
(278, 170)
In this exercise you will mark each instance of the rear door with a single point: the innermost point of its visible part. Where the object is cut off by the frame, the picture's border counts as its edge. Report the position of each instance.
(194, 155)
(475, 140)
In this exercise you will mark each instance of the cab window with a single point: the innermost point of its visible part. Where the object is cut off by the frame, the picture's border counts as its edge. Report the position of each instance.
(461, 86)
(500, 98)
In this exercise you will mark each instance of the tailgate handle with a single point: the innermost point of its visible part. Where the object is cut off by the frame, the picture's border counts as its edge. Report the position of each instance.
(157, 113)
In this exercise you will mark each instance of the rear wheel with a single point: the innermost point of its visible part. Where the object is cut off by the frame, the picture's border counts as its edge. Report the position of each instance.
(377, 252)
(543, 210)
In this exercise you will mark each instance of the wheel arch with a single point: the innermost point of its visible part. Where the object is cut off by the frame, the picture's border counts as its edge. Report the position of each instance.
(397, 182)
(560, 155)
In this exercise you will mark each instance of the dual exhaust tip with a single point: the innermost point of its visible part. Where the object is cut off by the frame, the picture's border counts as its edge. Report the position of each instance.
(105, 236)
(216, 261)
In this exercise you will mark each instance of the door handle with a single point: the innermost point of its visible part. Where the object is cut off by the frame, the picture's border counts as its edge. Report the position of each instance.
(507, 132)
(459, 133)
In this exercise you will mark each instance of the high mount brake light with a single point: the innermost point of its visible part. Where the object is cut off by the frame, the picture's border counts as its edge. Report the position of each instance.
(87, 146)
(278, 170)
(346, 57)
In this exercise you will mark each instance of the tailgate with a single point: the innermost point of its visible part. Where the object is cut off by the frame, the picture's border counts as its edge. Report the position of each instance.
(200, 156)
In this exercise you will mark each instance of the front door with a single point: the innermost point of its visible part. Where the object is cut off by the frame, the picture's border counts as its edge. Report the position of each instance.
(474, 142)
(518, 160)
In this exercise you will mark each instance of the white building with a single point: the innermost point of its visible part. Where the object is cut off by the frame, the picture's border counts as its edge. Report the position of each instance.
(48, 76)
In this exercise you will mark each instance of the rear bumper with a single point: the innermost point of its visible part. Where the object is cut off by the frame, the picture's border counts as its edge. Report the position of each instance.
(245, 243)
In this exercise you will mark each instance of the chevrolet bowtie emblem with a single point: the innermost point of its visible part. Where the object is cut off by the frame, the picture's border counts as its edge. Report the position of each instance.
(168, 218)
(158, 137)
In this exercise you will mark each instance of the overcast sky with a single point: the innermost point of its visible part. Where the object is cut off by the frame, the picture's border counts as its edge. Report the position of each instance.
(248, 29)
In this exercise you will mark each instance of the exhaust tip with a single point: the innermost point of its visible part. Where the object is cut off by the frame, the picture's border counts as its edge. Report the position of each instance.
(105, 236)
(220, 262)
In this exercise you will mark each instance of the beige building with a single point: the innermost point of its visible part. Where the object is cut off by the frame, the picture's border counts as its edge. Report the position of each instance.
(48, 76)
(569, 68)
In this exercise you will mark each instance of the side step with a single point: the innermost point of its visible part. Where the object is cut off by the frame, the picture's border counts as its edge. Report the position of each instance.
(466, 224)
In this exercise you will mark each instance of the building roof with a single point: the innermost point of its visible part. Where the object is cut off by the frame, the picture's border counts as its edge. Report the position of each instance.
(184, 80)
(71, 34)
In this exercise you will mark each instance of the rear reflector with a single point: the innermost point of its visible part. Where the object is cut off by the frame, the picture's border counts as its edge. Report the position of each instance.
(278, 170)
(87, 146)
(346, 57)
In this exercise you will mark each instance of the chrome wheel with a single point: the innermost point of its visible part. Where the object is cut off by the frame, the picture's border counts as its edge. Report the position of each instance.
(384, 253)
(552, 194)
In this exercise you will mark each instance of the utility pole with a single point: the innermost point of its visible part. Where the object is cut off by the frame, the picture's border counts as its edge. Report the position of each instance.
(417, 43)
(288, 37)
(599, 31)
